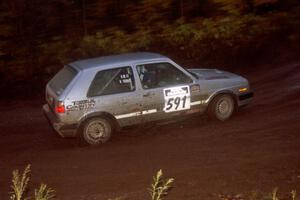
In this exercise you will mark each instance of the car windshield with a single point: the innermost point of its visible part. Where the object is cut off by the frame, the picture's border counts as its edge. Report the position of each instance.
(193, 74)
(62, 79)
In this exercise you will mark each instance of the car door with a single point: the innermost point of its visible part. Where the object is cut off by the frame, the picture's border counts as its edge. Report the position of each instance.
(165, 90)
(114, 92)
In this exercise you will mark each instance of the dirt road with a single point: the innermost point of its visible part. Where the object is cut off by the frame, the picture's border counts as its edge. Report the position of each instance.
(257, 150)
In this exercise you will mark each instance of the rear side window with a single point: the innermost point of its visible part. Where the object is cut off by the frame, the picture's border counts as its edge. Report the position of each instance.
(112, 81)
(62, 79)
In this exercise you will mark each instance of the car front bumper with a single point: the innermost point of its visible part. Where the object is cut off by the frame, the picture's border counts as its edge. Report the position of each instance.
(64, 130)
(245, 99)
(246, 96)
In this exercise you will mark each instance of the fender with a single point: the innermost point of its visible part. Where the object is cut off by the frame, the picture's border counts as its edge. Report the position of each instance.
(234, 96)
(107, 115)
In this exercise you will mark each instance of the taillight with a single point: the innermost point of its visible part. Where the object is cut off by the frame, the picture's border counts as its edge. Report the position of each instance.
(60, 107)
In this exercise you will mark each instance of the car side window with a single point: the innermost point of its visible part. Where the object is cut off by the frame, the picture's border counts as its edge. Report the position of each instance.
(112, 81)
(161, 75)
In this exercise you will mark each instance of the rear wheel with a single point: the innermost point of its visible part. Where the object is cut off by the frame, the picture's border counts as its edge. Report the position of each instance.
(96, 131)
(222, 107)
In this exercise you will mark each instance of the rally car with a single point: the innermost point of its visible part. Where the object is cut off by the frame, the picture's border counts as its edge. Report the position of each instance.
(91, 98)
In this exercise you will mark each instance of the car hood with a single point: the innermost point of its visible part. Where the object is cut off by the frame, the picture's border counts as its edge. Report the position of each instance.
(211, 74)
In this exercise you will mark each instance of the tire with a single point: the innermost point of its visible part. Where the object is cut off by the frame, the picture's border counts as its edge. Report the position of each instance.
(222, 107)
(95, 131)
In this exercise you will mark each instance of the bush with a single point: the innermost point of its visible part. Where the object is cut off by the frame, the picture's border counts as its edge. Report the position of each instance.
(114, 41)
(231, 33)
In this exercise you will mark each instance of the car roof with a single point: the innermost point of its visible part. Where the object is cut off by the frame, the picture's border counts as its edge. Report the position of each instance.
(117, 60)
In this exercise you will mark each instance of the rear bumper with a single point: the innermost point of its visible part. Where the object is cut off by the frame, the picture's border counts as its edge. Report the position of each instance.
(64, 130)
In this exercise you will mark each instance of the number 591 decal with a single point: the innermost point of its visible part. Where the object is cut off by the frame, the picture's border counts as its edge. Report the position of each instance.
(177, 98)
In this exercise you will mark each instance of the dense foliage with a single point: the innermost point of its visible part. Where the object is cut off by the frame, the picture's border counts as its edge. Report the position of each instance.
(38, 37)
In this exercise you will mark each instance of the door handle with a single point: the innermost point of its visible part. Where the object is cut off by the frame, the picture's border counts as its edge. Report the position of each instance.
(148, 94)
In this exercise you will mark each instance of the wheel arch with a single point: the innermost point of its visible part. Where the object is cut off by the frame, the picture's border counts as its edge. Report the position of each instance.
(221, 92)
(106, 115)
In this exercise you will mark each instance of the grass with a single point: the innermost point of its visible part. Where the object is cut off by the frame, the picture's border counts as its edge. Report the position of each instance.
(44, 193)
(19, 183)
(275, 194)
(255, 195)
(294, 194)
(19, 187)
(159, 189)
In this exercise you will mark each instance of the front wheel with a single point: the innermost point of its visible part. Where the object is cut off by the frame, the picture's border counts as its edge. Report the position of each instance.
(222, 107)
(96, 131)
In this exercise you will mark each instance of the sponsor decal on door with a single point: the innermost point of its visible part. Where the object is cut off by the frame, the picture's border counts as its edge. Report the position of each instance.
(177, 98)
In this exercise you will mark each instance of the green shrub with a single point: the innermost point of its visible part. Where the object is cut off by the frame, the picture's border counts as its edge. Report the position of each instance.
(114, 41)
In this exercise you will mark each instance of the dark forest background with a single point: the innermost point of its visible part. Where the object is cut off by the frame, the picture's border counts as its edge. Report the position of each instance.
(38, 37)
